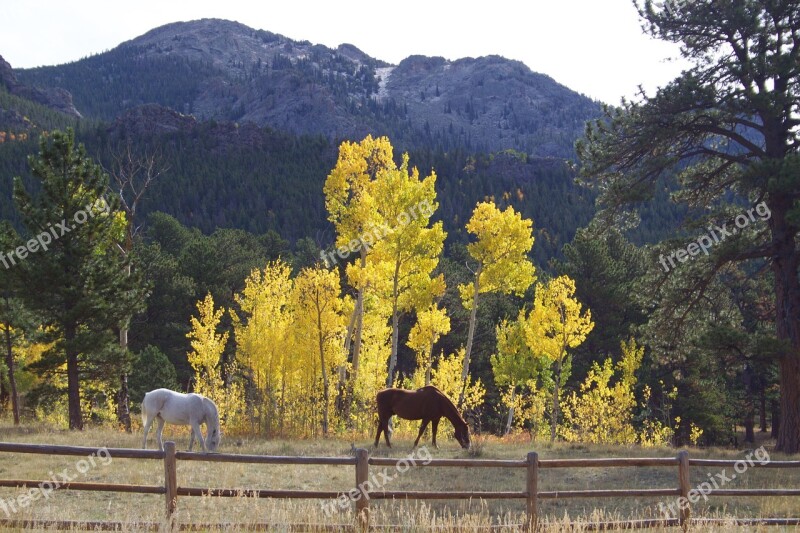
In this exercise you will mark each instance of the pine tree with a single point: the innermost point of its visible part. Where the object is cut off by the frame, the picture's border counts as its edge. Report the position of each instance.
(729, 126)
(71, 270)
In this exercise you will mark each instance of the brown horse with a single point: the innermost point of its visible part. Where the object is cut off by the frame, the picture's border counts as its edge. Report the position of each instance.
(428, 404)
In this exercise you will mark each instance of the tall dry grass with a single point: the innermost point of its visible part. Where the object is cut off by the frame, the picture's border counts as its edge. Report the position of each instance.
(439, 515)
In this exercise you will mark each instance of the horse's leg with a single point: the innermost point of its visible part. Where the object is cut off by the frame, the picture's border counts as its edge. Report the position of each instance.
(196, 431)
(158, 433)
(191, 439)
(146, 431)
(378, 435)
(434, 427)
(386, 431)
(421, 431)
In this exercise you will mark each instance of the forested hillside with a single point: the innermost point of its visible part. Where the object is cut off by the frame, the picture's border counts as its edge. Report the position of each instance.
(224, 175)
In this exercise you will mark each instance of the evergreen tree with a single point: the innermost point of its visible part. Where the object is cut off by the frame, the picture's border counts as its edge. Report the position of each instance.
(10, 322)
(729, 125)
(71, 270)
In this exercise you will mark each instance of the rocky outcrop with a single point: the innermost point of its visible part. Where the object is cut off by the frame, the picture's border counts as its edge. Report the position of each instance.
(54, 98)
(151, 119)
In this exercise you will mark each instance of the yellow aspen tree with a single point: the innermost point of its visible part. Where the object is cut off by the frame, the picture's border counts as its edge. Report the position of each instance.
(262, 333)
(319, 319)
(406, 256)
(207, 347)
(204, 358)
(503, 240)
(431, 324)
(516, 367)
(554, 325)
(352, 210)
(603, 413)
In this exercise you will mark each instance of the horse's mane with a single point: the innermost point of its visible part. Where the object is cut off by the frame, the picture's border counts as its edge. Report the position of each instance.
(449, 403)
(211, 411)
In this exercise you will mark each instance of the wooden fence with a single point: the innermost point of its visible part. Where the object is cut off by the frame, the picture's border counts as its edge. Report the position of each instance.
(362, 461)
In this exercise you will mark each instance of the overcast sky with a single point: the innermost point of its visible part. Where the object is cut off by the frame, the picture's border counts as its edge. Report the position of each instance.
(595, 47)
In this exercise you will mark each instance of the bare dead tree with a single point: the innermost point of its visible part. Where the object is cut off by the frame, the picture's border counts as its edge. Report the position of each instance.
(132, 173)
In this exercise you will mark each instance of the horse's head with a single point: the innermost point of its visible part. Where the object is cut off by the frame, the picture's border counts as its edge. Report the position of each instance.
(214, 435)
(462, 436)
(213, 439)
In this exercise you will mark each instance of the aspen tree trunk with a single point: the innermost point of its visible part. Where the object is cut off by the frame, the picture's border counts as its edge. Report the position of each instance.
(511, 411)
(324, 374)
(395, 327)
(473, 317)
(557, 384)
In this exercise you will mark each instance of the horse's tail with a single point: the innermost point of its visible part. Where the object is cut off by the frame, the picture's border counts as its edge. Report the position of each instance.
(144, 409)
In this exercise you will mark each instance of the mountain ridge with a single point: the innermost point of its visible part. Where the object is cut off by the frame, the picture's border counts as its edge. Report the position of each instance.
(224, 70)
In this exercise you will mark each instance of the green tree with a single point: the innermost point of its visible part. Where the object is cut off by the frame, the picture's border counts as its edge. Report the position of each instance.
(606, 269)
(729, 125)
(151, 370)
(74, 277)
(10, 315)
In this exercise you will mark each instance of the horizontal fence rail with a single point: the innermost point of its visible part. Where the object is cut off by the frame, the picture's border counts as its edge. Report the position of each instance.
(362, 461)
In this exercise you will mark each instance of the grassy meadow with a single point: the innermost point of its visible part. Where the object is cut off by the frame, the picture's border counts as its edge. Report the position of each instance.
(439, 515)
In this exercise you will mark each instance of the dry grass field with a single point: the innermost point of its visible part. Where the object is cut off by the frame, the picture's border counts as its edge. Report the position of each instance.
(438, 515)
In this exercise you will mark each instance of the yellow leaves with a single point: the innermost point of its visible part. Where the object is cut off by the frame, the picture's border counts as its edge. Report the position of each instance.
(694, 433)
(319, 321)
(503, 240)
(205, 357)
(555, 323)
(602, 413)
(513, 364)
(207, 345)
(348, 199)
(261, 330)
(431, 324)
(447, 378)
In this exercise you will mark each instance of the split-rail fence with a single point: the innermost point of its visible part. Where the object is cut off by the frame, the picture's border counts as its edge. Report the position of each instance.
(530, 493)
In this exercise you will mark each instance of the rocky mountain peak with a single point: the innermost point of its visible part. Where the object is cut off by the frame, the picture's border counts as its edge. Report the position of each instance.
(224, 70)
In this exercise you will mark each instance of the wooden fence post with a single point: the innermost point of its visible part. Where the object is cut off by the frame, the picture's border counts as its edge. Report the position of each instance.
(362, 475)
(532, 488)
(683, 479)
(170, 481)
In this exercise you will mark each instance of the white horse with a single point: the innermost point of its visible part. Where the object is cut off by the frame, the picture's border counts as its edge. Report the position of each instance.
(182, 409)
